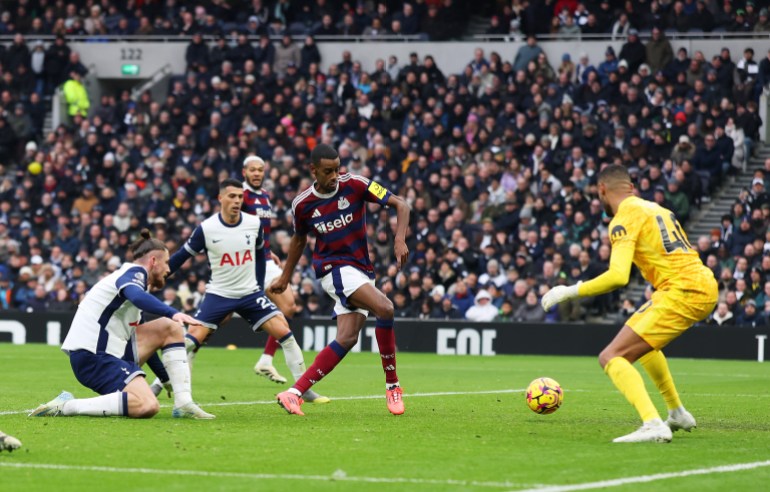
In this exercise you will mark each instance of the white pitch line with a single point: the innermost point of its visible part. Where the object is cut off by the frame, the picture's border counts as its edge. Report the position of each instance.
(338, 476)
(617, 482)
(334, 398)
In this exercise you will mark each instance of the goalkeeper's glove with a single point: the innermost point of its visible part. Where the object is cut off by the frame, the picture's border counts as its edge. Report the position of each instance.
(559, 294)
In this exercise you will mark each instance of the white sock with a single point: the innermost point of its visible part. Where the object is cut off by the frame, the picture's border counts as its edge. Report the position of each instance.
(390, 386)
(293, 355)
(676, 412)
(99, 406)
(175, 362)
(265, 360)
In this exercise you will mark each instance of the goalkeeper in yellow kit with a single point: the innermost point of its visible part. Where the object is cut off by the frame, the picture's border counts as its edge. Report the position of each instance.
(647, 235)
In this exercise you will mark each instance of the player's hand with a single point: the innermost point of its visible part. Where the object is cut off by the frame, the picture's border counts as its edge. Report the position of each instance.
(402, 253)
(279, 285)
(276, 260)
(185, 319)
(557, 295)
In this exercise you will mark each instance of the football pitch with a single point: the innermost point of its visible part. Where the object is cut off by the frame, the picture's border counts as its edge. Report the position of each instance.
(466, 428)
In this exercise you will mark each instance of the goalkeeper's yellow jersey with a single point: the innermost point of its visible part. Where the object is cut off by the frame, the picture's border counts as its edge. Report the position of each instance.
(658, 245)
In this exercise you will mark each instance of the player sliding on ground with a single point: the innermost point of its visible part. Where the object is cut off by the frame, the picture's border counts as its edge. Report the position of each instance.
(234, 244)
(334, 210)
(649, 236)
(107, 343)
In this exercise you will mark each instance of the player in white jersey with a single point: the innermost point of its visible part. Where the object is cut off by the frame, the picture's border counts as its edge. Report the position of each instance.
(107, 343)
(233, 242)
(8, 442)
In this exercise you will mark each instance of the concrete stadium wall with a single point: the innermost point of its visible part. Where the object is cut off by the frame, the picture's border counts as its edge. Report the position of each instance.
(109, 58)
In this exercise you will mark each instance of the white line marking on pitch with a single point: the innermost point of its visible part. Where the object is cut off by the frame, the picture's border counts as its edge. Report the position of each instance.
(335, 398)
(337, 476)
(617, 482)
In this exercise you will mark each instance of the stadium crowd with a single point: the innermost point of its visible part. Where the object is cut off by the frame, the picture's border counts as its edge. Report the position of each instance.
(498, 163)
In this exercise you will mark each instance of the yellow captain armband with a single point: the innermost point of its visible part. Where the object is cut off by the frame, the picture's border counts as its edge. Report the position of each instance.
(377, 190)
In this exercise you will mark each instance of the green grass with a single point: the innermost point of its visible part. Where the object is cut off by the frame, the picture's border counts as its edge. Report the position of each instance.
(491, 438)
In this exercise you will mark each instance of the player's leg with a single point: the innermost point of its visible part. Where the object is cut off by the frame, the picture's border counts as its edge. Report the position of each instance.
(168, 336)
(616, 360)
(213, 312)
(371, 299)
(108, 376)
(656, 366)
(161, 381)
(349, 325)
(285, 303)
(8, 443)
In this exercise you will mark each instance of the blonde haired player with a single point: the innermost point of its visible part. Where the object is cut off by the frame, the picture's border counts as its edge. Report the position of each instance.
(649, 236)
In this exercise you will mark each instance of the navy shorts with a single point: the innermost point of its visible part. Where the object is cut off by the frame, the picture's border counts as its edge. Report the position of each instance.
(255, 308)
(105, 373)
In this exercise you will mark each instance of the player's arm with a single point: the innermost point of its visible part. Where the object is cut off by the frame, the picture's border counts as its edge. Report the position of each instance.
(616, 276)
(402, 224)
(194, 245)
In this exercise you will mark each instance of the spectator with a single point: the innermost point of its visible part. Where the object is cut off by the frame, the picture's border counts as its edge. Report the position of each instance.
(287, 53)
(530, 311)
(526, 53)
(633, 51)
(722, 316)
(659, 52)
(76, 95)
(482, 310)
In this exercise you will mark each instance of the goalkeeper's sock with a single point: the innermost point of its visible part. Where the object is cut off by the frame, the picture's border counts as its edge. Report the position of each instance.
(326, 360)
(654, 362)
(175, 361)
(99, 406)
(293, 356)
(630, 383)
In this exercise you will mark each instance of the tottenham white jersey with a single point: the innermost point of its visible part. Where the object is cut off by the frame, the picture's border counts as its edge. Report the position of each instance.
(105, 321)
(232, 251)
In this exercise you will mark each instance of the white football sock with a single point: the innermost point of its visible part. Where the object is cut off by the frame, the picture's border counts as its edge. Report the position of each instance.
(99, 406)
(175, 362)
(265, 360)
(293, 355)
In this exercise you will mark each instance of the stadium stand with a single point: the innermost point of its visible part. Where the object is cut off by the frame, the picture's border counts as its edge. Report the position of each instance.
(497, 160)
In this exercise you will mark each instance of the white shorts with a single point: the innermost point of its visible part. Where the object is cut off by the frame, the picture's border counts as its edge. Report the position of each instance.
(272, 272)
(340, 284)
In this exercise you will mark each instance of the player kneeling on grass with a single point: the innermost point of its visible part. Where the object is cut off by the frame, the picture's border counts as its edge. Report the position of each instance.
(107, 343)
(649, 236)
(8, 443)
(234, 244)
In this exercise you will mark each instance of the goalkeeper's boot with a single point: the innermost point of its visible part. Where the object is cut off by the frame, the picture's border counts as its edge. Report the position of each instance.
(311, 396)
(680, 419)
(653, 431)
(53, 407)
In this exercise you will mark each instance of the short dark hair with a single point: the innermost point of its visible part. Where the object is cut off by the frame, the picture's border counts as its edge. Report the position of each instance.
(614, 173)
(322, 152)
(145, 244)
(230, 182)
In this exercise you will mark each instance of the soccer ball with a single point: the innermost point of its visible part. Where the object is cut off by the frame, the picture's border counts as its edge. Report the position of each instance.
(544, 395)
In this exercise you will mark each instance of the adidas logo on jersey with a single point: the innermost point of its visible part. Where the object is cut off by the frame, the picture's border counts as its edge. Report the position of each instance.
(316, 213)
(326, 227)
